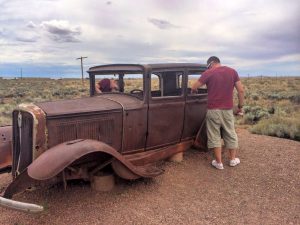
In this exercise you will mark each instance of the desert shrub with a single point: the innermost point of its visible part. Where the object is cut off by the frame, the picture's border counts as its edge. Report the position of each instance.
(271, 110)
(56, 93)
(247, 109)
(279, 127)
(254, 114)
(275, 96)
(83, 90)
(255, 96)
(5, 121)
(247, 94)
(295, 98)
(69, 91)
(6, 109)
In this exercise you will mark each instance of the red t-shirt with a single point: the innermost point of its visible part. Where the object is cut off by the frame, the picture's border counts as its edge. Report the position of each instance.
(220, 82)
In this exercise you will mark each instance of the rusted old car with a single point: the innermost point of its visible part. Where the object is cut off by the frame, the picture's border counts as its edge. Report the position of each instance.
(152, 117)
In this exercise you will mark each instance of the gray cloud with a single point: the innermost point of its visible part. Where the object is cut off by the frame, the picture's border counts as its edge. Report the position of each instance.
(269, 42)
(61, 31)
(27, 39)
(162, 24)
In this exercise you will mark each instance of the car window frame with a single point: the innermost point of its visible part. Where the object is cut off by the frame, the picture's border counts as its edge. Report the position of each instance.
(189, 94)
(161, 98)
(117, 74)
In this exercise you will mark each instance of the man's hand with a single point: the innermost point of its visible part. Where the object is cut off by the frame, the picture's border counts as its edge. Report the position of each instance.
(195, 86)
(237, 111)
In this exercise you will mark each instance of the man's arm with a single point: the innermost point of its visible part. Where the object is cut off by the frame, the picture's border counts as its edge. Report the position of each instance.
(195, 86)
(240, 92)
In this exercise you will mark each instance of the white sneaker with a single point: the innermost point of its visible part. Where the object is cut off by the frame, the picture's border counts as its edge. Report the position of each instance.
(217, 165)
(234, 162)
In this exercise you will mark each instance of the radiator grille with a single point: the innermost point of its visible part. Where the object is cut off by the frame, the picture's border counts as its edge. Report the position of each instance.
(22, 141)
(97, 129)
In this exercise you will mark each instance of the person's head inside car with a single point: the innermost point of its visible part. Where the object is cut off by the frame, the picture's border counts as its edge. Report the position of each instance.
(106, 85)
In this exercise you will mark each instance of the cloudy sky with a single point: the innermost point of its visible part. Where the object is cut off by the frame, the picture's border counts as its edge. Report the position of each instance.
(44, 37)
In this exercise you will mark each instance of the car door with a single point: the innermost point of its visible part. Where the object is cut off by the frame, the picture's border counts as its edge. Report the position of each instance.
(166, 109)
(135, 114)
(195, 111)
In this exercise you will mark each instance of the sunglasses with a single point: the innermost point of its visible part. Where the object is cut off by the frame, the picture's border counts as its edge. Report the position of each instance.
(209, 65)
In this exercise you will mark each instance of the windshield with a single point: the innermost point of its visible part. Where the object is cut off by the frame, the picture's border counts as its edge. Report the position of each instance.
(128, 83)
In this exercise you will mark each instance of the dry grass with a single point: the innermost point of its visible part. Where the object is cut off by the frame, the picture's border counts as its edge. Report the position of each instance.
(14, 92)
(272, 106)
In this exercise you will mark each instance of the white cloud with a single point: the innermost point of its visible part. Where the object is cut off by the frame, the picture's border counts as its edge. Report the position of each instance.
(31, 25)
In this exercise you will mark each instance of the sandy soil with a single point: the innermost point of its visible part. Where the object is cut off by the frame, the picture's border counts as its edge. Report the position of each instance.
(263, 189)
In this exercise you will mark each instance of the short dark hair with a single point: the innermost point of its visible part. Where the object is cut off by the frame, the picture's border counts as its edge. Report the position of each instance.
(213, 59)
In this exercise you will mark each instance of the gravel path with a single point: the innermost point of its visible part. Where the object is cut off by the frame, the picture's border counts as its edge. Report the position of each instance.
(263, 189)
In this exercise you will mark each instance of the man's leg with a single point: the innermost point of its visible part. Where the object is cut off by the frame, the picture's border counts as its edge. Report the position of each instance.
(230, 136)
(214, 137)
(232, 154)
(218, 154)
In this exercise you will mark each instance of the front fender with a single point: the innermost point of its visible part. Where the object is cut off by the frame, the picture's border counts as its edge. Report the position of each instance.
(56, 159)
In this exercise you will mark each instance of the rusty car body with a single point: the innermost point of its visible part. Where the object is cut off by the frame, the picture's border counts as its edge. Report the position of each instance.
(125, 131)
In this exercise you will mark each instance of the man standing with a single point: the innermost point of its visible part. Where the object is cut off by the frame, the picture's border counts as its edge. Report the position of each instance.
(220, 81)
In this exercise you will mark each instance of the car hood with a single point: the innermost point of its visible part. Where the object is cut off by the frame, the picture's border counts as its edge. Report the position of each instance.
(101, 103)
(76, 106)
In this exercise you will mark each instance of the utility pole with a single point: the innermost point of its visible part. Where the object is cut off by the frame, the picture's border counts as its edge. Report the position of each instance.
(81, 58)
(21, 73)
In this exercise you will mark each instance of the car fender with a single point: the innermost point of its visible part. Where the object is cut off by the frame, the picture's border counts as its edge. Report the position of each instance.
(52, 162)
(56, 159)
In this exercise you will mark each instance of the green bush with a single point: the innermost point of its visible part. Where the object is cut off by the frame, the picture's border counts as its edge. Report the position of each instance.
(275, 96)
(279, 127)
(254, 114)
(295, 98)
(255, 96)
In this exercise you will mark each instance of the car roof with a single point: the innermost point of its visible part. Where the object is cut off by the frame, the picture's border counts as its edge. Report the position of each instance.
(141, 67)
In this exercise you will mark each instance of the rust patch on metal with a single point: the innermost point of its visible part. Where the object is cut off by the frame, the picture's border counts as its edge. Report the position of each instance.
(39, 144)
(5, 147)
(151, 156)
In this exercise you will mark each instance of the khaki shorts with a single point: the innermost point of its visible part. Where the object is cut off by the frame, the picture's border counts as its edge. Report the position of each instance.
(217, 119)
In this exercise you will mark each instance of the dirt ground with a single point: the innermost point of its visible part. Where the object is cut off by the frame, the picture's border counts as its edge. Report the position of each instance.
(263, 189)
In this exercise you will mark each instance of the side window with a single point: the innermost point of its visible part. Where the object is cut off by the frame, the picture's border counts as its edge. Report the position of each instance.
(192, 78)
(166, 84)
(155, 85)
(179, 76)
